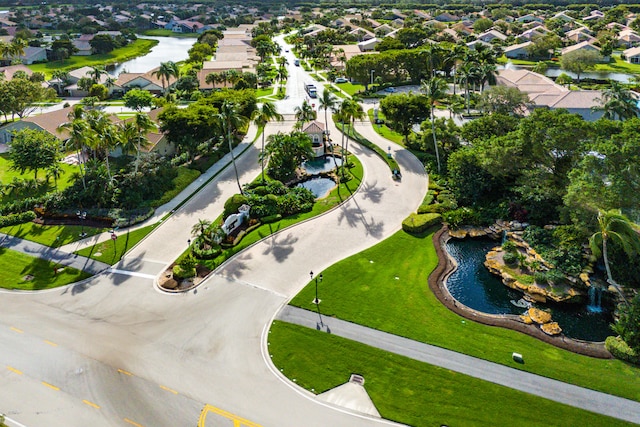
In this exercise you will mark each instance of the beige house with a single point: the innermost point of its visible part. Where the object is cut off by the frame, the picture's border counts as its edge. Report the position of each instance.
(315, 130)
(632, 55)
(545, 93)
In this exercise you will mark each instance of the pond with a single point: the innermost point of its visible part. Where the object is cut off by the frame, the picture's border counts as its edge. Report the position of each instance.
(595, 75)
(319, 186)
(474, 286)
(168, 49)
(321, 164)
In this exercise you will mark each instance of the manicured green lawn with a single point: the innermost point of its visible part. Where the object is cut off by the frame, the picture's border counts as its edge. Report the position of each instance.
(111, 253)
(410, 392)
(139, 47)
(185, 177)
(15, 266)
(7, 175)
(383, 130)
(385, 287)
(161, 32)
(264, 92)
(50, 235)
(351, 88)
(619, 66)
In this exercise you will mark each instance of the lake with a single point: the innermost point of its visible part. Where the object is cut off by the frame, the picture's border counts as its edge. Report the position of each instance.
(168, 49)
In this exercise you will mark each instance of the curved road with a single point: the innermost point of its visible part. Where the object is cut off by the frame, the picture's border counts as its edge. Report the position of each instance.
(113, 350)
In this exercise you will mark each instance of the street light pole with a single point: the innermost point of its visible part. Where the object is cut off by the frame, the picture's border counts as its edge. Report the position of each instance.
(318, 278)
(372, 71)
(82, 216)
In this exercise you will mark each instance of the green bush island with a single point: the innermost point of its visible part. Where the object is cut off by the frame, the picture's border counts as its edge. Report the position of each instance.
(418, 223)
(620, 350)
(19, 218)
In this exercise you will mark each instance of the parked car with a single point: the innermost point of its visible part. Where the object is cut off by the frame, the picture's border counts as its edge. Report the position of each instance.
(341, 80)
(390, 89)
(296, 62)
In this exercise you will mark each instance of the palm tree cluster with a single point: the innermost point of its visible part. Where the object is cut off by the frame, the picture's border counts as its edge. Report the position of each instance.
(165, 72)
(93, 133)
(618, 102)
(474, 67)
(13, 50)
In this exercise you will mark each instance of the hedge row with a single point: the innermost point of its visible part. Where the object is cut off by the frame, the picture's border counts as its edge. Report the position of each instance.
(17, 218)
(418, 223)
(621, 350)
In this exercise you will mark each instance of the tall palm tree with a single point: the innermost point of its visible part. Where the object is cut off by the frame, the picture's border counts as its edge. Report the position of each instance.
(144, 125)
(327, 101)
(61, 79)
(304, 113)
(96, 72)
(349, 111)
(17, 47)
(455, 55)
(211, 79)
(487, 73)
(78, 129)
(165, 71)
(467, 73)
(262, 116)
(614, 226)
(435, 90)
(282, 74)
(618, 102)
(231, 120)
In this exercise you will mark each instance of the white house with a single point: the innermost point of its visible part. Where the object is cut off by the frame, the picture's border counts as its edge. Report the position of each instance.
(517, 51)
(632, 55)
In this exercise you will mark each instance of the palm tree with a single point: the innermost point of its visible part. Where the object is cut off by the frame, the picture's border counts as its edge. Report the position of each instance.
(614, 226)
(282, 74)
(304, 113)
(233, 76)
(165, 71)
(435, 89)
(282, 61)
(349, 111)
(17, 47)
(78, 129)
(327, 101)
(456, 54)
(231, 120)
(262, 116)
(211, 79)
(467, 72)
(618, 102)
(96, 73)
(61, 79)
(144, 125)
(487, 73)
(200, 227)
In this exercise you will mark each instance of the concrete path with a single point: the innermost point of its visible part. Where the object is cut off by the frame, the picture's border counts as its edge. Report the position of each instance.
(583, 398)
(56, 255)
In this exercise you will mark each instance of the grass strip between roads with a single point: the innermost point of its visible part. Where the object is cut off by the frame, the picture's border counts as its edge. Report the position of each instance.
(111, 251)
(411, 392)
(385, 287)
(16, 268)
(50, 235)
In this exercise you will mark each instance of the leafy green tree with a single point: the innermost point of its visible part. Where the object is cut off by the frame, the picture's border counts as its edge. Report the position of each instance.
(615, 227)
(628, 324)
(482, 24)
(33, 150)
(138, 99)
(544, 46)
(102, 43)
(262, 117)
(412, 37)
(580, 61)
(503, 100)
(189, 127)
(404, 110)
(18, 96)
(99, 91)
(486, 127)
(285, 153)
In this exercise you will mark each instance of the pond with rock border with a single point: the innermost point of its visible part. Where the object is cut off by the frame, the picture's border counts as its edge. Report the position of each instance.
(474, 286)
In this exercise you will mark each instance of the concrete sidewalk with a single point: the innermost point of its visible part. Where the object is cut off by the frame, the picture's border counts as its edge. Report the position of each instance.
(56, 255)
(547, 388)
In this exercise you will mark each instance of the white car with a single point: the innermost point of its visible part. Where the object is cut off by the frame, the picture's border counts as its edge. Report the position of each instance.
(341, 80)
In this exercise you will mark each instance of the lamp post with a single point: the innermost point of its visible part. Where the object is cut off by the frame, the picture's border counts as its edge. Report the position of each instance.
(318, 278)
(189, 243)
(372, 71)
(82, 216)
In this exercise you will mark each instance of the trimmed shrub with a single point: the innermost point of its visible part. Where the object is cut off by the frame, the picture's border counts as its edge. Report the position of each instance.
(418, 223)
(458, 217)
(510, 258)
(620, 350)
(233, 203)
(434, 208)
(270, 219)
(509, 246)
(180, 273)
(18, 218)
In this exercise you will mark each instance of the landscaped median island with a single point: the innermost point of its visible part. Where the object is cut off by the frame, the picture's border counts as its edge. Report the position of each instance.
(385, 288)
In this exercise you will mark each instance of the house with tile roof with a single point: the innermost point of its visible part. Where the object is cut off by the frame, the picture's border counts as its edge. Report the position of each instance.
(545, 93)
(632, 55)
(517, 51)
(316, 132)
(586, 46)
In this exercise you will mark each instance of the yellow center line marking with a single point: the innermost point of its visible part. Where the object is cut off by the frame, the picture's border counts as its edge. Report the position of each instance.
(51, 386)
(122, 371)
(20, 331)
(91, 404)
(168, 389)
(127, 420)
(14, 370)
(51, 343)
